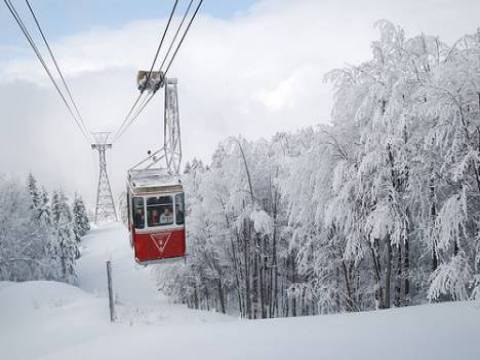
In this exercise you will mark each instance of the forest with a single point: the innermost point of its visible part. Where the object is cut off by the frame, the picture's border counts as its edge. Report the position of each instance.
(378, 209)
(39, 233)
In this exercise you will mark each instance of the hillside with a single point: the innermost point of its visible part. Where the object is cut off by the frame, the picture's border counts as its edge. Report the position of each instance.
(50, 320)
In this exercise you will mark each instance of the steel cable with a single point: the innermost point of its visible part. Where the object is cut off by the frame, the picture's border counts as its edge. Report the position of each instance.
(52, 56)
(30, 40)
(132, 108)
(129, 122)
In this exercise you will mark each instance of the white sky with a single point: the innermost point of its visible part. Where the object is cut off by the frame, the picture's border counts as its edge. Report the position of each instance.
(254, 74)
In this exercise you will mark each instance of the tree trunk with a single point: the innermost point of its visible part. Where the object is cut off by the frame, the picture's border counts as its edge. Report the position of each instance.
(398, 279)
(406, 268)
(346, 276)
(195, 296)
(246, 258)
(262, 283)
(433, 217)
(221, 296)
(236, 271)
(379, 294)
(274, 271)
(255, 281)
(388, 273)
(294, 280)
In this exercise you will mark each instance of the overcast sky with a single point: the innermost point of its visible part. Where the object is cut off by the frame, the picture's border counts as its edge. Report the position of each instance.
(247, 67)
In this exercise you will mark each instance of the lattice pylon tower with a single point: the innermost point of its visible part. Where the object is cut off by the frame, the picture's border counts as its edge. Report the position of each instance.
(105, 208)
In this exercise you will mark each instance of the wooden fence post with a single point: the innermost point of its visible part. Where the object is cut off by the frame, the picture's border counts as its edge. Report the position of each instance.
(110, 292)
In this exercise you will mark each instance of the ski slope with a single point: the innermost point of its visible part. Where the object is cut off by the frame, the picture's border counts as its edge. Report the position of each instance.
(133, 284)
(50, 320)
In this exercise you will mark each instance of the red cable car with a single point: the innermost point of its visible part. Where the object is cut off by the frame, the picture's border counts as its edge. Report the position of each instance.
(155, 197)
(156, 216)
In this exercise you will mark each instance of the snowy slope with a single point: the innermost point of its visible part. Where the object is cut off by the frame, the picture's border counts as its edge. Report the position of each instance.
(49, 320)
(133, 285)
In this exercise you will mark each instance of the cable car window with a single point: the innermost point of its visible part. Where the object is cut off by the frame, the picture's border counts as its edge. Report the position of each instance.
(180, 209)
(160, 211)
(138, 212)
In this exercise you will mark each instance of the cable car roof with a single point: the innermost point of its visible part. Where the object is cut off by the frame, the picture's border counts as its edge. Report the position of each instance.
(147, 181)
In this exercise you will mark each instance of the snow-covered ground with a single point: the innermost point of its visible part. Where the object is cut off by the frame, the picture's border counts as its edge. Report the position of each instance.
(49, 320)
(133, 285)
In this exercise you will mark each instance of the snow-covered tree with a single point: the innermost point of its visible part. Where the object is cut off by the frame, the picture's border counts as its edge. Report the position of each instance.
(36, 241)
(81, 223)
(67, 251)
(379, 208)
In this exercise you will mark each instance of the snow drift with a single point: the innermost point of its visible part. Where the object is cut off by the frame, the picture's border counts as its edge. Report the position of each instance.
(49, 320)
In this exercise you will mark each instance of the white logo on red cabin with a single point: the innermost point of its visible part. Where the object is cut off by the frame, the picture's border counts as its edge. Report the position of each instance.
(161, 240)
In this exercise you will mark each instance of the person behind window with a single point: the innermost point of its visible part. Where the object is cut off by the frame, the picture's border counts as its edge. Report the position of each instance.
(154, 217)
(166, 217)
(139, 219)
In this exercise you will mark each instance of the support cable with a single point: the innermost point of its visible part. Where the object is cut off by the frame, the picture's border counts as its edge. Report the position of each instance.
(176, 34)
(183, 37)
(149, 74)
(129, 122)
(52, 56)
(136, 115)
(30, 40)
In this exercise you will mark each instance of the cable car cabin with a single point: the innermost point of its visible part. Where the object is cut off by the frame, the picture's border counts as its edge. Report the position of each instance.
(156, 218)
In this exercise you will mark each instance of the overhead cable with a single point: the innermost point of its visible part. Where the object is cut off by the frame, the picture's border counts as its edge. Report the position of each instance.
(149, 74)
(30, 40)
(52, 56)
(129, 121)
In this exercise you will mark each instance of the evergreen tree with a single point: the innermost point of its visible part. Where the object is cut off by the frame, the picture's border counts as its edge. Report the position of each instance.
(67, 245)
(45, 213)
(34, 191)
(36, 234)
(81, 223)
(51, 249)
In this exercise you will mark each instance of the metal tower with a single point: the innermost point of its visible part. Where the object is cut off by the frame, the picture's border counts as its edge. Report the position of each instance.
(105, 210)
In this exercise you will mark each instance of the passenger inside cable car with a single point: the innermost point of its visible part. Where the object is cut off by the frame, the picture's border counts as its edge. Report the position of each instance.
(159, 211)
(139, 218)
(154, 218)
(167, 217)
